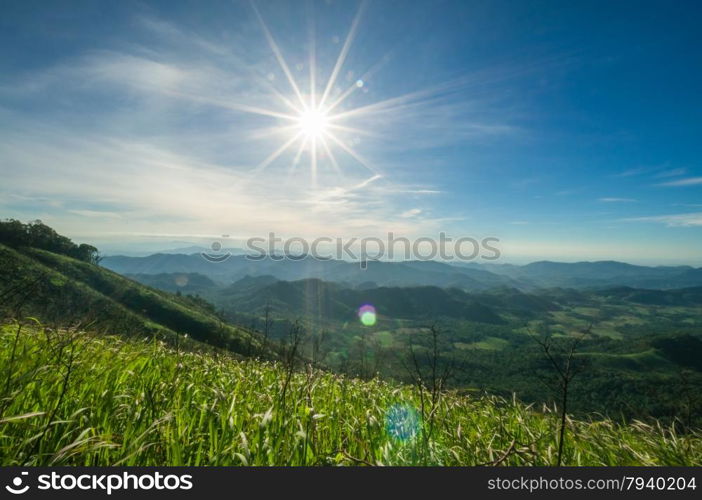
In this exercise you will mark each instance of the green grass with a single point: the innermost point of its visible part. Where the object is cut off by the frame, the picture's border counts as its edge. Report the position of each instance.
(73, 398)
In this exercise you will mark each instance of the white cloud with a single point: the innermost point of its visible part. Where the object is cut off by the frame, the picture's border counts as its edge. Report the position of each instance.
(148, 189)
(676, 220)
(688, 181)
(673, 172)
(96, 213)
(162, 137)
(661, 171)
(632, 172)
(616, 200)
(413, 212)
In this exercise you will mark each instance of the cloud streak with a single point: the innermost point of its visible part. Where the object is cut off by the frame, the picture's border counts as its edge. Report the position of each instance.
(688, 181)
(616, 200)
(177, 155)
(693, 219)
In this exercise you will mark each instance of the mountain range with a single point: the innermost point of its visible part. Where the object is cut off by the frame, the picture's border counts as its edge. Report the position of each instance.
(465, 276)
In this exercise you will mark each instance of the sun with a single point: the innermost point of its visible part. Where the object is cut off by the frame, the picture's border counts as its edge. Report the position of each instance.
(313, 123)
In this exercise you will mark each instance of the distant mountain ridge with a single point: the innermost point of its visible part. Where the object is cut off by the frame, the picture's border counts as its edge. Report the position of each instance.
(466, 276)
(315, 298)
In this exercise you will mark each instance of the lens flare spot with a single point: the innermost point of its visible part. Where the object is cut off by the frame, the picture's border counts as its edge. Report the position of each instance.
(366, 313)
(181, 280)
(402, 422)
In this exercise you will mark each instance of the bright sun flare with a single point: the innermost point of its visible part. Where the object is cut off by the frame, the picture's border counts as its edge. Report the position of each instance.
(316, 124)
(313, 123)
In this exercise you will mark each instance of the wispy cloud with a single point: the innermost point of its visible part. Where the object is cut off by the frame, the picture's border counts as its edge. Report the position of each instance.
(675, 220)
(688, 205)
(688, 181)
(183, 129)
(616, 200)
(96, 213)
(673, 172)
(661, 171)
(413, 212)
(176, 193)
(631, 172)
(176, 155)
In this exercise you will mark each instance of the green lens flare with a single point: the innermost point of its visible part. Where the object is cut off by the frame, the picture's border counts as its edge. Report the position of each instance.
(366, 313)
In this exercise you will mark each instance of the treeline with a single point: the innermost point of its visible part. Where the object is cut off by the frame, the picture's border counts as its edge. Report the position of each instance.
(36, 234)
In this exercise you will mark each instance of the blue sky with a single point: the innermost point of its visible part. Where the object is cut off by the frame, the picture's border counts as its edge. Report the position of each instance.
(569, 130)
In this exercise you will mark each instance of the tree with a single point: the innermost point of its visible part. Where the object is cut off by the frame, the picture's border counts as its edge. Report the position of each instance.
(87, 253)
(36, 234)
(290, 354)
(561, 357)
(319, 347)
(429, 369)
(267, 324)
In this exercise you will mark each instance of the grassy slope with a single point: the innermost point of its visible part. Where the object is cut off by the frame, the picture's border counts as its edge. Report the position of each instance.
(75, 398)
(61, 289)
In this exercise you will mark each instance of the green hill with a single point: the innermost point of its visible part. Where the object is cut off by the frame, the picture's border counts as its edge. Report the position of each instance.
(61, 290)
(73, 398)
(334, 301)
(112, 371)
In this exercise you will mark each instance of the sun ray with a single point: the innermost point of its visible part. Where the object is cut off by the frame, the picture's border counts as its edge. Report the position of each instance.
(284, 99)
(279, 56)
(230, 105)
(353, 130)
(298, 155)
(313, 126)
(363, 79)
(276, 153)
(332, 158)
(342, 55)
(265, 132)
(403, 101)
(353, 88)
(351, 152)
(314, 160)
(388, 105)
(313, 55)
